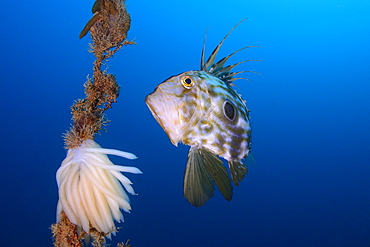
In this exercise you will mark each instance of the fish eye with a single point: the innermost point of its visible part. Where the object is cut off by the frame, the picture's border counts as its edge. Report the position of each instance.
(229, 110)
(187, 82)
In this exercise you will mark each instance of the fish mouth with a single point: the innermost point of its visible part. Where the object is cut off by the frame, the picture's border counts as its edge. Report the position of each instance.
(165, 110)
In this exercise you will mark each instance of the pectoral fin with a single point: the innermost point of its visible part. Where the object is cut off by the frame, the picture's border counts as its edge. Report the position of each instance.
(203, 169)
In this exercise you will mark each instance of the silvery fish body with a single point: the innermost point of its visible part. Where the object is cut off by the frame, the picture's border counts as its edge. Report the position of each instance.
(200, 108)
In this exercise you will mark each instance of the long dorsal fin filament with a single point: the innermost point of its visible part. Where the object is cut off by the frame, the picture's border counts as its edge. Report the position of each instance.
(219, 69)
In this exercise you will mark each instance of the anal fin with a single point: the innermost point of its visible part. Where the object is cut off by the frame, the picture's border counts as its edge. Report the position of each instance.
(203, 169)
(237, 171)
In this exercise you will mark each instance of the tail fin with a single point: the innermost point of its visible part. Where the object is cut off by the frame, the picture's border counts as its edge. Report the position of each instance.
(203, 169)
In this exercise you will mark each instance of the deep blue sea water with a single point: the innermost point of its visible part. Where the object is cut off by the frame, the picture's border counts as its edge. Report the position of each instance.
(310, 112)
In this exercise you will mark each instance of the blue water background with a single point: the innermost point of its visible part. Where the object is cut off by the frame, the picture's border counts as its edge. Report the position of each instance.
(310, 111)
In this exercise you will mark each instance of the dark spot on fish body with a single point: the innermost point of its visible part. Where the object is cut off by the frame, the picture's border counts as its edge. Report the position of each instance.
(229, 111)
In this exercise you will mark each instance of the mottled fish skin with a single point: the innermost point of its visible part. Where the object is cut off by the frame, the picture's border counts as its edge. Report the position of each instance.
(200, 108)
(198, 116)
